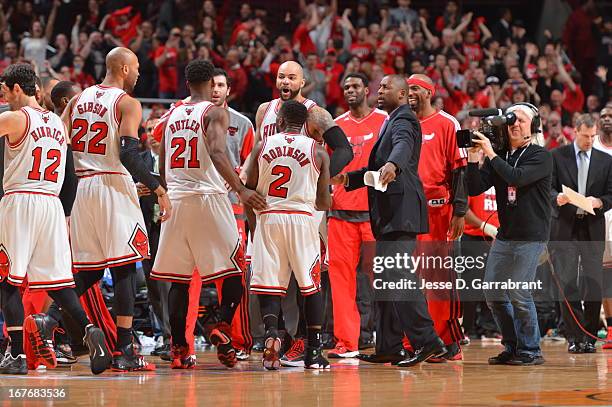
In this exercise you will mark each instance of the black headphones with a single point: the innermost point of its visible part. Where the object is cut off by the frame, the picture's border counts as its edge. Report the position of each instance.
(536, 122)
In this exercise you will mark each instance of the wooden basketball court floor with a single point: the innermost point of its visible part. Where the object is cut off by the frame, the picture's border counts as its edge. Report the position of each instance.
(568, 380)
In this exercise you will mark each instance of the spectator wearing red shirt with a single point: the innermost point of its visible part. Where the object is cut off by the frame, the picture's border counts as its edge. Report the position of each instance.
(362, 48)
(573, 96)
(166, 60)
(237, 77)
(78, 76)
(472, 49)
(301, 34)
(333, 73)
(556, 105)
(122, 26)
(380, 59)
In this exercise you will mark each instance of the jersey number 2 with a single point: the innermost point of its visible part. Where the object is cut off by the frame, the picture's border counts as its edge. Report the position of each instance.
(95, 145)
(51, 171)
(276, 187)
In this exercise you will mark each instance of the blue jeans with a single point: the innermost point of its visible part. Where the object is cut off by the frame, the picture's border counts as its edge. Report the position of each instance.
(514, 310)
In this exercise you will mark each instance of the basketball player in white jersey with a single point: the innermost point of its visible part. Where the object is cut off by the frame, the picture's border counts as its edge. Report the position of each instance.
(40, 186)
(203, 231)
(321, 127)
(108, 229)
(292, 171)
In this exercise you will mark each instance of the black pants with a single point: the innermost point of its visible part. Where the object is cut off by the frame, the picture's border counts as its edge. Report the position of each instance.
(402, 312)
(578, 265)
(157, 290)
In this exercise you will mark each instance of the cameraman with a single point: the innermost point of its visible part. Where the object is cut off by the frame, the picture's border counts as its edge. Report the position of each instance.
(521, 175)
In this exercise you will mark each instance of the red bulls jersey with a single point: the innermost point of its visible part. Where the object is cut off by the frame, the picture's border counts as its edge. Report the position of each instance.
(484, 207)
(439, 156)
(362, 134)
(37, 162)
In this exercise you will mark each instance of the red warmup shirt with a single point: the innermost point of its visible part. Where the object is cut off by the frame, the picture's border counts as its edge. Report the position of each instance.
(484, 207)
(439, 155)
(302, 36)
(573, 101)
(362, 134)
(473, 52)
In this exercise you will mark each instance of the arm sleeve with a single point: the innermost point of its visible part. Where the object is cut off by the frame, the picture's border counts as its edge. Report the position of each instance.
(460, 195)
(342, 152)
(133, 162)
(529, 169)
(478, 180)
(69, 187)
(355, 179)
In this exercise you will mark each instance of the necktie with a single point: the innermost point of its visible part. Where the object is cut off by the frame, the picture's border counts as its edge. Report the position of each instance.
(583, 171)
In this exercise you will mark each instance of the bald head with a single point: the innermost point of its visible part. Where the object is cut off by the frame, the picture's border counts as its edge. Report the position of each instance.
(290, 80)
(122, 68)
(118, 57)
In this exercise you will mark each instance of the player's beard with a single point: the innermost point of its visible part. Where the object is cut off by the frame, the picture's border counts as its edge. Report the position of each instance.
(357, 102)
(292, 94)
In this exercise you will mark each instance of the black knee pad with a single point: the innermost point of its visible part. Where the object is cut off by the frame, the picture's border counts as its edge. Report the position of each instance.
(124, 282)
(313, 305)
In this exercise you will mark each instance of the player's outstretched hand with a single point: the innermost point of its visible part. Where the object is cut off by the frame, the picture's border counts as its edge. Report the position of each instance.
(253, 199)
(165, 207)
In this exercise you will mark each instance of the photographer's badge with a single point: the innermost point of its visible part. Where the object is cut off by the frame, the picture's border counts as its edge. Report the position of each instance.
(511, 195)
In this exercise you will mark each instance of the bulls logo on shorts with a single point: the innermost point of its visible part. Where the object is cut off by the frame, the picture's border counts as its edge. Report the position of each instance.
(238, 256)
(5, 263)
(140, 242)
(315, 273)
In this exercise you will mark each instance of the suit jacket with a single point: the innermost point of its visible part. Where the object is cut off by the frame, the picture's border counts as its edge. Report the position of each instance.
(599, 185)
(402, 208)
(147, 202)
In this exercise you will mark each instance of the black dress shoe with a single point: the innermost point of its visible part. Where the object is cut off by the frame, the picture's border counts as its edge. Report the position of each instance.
(392, 358)
(575, 347)
(502, 359)
(433, 349)
(366, 343)
(589, 347)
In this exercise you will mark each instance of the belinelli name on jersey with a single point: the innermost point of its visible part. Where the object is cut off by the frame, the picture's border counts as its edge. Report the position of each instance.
(91, 107)
(45, 131)
(184, 124)
(286, 151)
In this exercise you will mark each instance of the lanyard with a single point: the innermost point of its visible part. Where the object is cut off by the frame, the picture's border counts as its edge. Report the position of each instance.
(519, 157)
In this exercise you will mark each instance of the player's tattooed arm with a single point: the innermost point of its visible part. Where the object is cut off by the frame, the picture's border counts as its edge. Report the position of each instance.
(323, 201)
(259, 116)
(216, 122)
(321, 126)
(252, 179)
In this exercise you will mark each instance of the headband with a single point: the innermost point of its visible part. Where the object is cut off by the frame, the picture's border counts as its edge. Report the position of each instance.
(423, 84)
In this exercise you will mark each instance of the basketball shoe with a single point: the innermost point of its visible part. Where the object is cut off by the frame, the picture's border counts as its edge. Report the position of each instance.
(271, 353)
(181, 359)
(39, 329)
(99, 356)
(126, 359)
(314, 359)
(221, 339)
(341, 352)
(13, 365)
(294, 357)
(608, 344)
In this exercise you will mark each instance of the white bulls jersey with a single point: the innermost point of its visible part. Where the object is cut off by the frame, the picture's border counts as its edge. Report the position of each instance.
(189, 169)
(288, 173)
(268, 124)
(95, 131)
(37, 162)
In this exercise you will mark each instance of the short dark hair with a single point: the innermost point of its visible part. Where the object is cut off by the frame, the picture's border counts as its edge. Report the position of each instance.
(199, 71)
(61, 90)
(21, 74)
(358, 75)
(293, 112)
(222, 72)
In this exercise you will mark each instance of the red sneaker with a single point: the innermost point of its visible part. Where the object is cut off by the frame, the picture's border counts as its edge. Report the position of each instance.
(608, 344)
(181, 359)
(39, 330)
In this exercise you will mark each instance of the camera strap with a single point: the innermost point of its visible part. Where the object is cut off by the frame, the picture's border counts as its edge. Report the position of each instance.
(512, 190)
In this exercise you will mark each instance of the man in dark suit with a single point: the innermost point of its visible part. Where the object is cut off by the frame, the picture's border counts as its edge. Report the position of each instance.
(397, 216)
(157, 290)
(577, 237)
